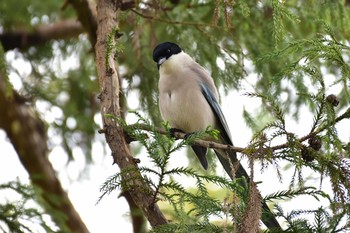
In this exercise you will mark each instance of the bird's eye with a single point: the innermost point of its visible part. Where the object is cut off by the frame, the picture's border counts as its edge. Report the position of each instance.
(168, 50)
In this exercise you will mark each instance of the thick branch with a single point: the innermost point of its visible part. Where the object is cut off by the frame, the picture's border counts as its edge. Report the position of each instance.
(87, 15)
(28, 136)
(23, 39)
(109, 86)
(86, 11)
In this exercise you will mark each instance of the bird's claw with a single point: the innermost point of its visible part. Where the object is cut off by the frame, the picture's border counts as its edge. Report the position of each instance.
(172, 132)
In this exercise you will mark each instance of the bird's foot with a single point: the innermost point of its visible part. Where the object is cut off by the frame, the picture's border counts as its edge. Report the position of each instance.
(172, 132)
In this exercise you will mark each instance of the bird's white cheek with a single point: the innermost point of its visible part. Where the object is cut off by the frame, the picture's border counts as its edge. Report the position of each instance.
(161, 61)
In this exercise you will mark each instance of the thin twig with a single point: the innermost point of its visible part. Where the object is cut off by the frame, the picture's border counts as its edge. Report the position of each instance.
(170, 21)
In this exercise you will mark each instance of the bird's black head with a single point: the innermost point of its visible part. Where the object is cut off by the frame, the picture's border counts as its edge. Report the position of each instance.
(163, 51)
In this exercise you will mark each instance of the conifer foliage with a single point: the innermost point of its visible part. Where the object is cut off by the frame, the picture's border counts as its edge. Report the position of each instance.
(65, 64)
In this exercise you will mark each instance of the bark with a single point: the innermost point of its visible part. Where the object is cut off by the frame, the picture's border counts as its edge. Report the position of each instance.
(251, 216)
(28, 136)
(23, 39)
(138, 189)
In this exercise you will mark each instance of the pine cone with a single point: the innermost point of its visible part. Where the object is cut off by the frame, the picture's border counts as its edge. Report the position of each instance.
(315, 143)
(332, 99)
(307, 154)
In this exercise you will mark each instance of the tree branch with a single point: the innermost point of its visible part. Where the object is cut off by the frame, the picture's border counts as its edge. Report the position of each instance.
(141, 192)
(86, 11)
(170, 21)
(215, 145)
(180, 135)
(66, 29)
(28, 136)
(87, 15)
(23, 39)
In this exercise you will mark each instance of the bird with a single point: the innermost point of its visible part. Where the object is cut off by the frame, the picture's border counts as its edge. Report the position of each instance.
(189, 101)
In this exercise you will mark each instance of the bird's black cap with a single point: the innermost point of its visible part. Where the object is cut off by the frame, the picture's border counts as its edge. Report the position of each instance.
(165, 50)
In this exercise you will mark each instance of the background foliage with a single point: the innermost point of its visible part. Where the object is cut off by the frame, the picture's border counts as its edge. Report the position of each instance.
(298, 51)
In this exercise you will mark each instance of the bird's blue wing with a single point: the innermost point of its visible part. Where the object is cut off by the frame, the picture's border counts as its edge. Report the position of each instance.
(267, 216)
(214, 104)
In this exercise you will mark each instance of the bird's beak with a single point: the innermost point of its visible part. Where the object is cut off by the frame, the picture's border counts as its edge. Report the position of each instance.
(161, 61)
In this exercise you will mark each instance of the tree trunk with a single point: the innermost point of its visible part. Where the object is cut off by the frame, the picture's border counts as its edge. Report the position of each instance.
(28, 136)
(107, 35)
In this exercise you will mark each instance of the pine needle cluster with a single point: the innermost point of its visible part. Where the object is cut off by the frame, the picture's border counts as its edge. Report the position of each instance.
(22, 215)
